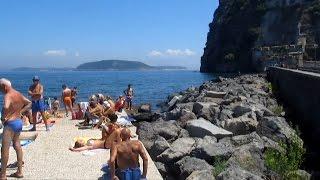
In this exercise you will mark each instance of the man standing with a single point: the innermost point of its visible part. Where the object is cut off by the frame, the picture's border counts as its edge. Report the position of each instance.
(127, 154)
(14, 104)
(66, 99)
(36, 93)
(129, 95)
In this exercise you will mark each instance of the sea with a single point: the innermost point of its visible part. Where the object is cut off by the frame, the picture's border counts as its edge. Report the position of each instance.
(151, 87)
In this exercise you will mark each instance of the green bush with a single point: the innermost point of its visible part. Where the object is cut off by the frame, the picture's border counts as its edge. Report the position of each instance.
(219, 166)
(287, 160)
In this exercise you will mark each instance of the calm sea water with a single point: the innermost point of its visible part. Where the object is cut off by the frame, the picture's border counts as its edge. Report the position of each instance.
(149, 86)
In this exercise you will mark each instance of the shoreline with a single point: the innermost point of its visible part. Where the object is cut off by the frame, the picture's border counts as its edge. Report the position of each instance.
(232, 125)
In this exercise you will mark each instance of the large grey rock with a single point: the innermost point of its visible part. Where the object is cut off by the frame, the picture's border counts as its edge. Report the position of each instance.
(187, 165)
(275, 128)
(174, 114)
(188, 106)
(179, 148)
(248, 157)
(208, 111)
(240, 110)
(186, 116)
(201, 175)
(237, 173)
(246, 139)
(201, 128)
(146, 134)
(210, 150)
(160, 145)
(161, 168)
(174, 100)
(225, 114)
(215, 94)
(241, 125)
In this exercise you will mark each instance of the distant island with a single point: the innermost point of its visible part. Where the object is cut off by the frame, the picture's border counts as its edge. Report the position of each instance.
(123, 65)
(42, 69)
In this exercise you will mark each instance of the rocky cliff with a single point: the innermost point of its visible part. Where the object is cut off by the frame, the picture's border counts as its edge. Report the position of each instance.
(240, 25)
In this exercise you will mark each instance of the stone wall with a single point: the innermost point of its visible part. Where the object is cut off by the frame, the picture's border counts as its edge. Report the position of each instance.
(300, 91)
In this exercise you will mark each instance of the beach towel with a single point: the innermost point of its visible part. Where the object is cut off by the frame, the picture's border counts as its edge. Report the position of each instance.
(93, 152)
(124, 119)
(84, 105)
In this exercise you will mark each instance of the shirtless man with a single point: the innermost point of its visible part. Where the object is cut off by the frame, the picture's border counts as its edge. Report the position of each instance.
(127, 154)
(36, 93)
(129, 95)
(74, 93)
(66, 99)
(110, 135)
(14, 104)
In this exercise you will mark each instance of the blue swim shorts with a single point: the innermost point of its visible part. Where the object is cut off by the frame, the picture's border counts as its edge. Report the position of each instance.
(38, 106)
(129, 174)
(15, 125)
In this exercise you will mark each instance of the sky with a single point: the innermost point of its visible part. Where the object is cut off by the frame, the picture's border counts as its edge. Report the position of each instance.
(66, 33)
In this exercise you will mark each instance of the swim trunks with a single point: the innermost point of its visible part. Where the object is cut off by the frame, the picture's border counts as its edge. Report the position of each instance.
(129, 174)
(129, 98)
(67, 100)
(38, 106)
(15, 125)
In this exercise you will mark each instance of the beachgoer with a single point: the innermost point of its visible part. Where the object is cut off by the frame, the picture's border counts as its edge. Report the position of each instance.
(110, 135)
(79, 113)
(126, 155)
(74, 93)
(14, 104)
(66, 98)
(36, 93)
(119, 104)
(93, 113)
(129, 96)
(55, 107)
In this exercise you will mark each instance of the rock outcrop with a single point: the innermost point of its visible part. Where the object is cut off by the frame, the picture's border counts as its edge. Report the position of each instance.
(235, 126)
(240, 25)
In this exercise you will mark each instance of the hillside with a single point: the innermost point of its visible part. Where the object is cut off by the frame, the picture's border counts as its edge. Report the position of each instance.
(107, 65)
(239, 26)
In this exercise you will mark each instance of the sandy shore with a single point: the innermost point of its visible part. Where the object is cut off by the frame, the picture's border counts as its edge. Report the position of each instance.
(49, 158)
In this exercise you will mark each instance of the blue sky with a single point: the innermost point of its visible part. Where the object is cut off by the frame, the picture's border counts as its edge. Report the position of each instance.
(66, 33)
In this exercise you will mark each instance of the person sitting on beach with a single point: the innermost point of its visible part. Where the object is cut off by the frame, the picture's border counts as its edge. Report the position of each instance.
(119, 104)
(129, 96)
(74, 93)
(126, 155)
(66, 99)
(55, 107)
(93, 113)
(79, 113)
(14, 104)
(36, 93)
(110, 135)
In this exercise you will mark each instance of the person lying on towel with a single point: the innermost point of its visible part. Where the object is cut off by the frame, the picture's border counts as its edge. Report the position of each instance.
(126, 155)
(110, 134)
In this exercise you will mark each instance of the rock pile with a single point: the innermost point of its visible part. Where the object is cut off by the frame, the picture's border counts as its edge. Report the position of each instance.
(227, 120)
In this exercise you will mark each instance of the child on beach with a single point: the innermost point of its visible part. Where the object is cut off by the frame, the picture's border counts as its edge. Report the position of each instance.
(55, 107)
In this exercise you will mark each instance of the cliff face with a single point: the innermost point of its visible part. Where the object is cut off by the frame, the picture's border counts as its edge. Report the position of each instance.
(240, 25)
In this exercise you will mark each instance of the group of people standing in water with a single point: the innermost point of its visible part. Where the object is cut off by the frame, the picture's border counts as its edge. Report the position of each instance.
(124, 154)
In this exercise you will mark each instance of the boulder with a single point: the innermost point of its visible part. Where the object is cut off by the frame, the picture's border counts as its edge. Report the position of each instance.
(201, 128)
(206, 110)
(188, 106)
(275, 128)
(167, 129)
(144, 108)
(179, 148)
(146, 134)
(187, 165)
(241, 125)
(174, 114)
(240, 110)
(201, 175)
(183, 133)
(186, 116)
(160, 145)
(248, 157)
(174, 100)
(161, 168)
(215, 94)
(144, 117)
(210, 150)
(246, 139)
(225, 114)
(237, 173)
